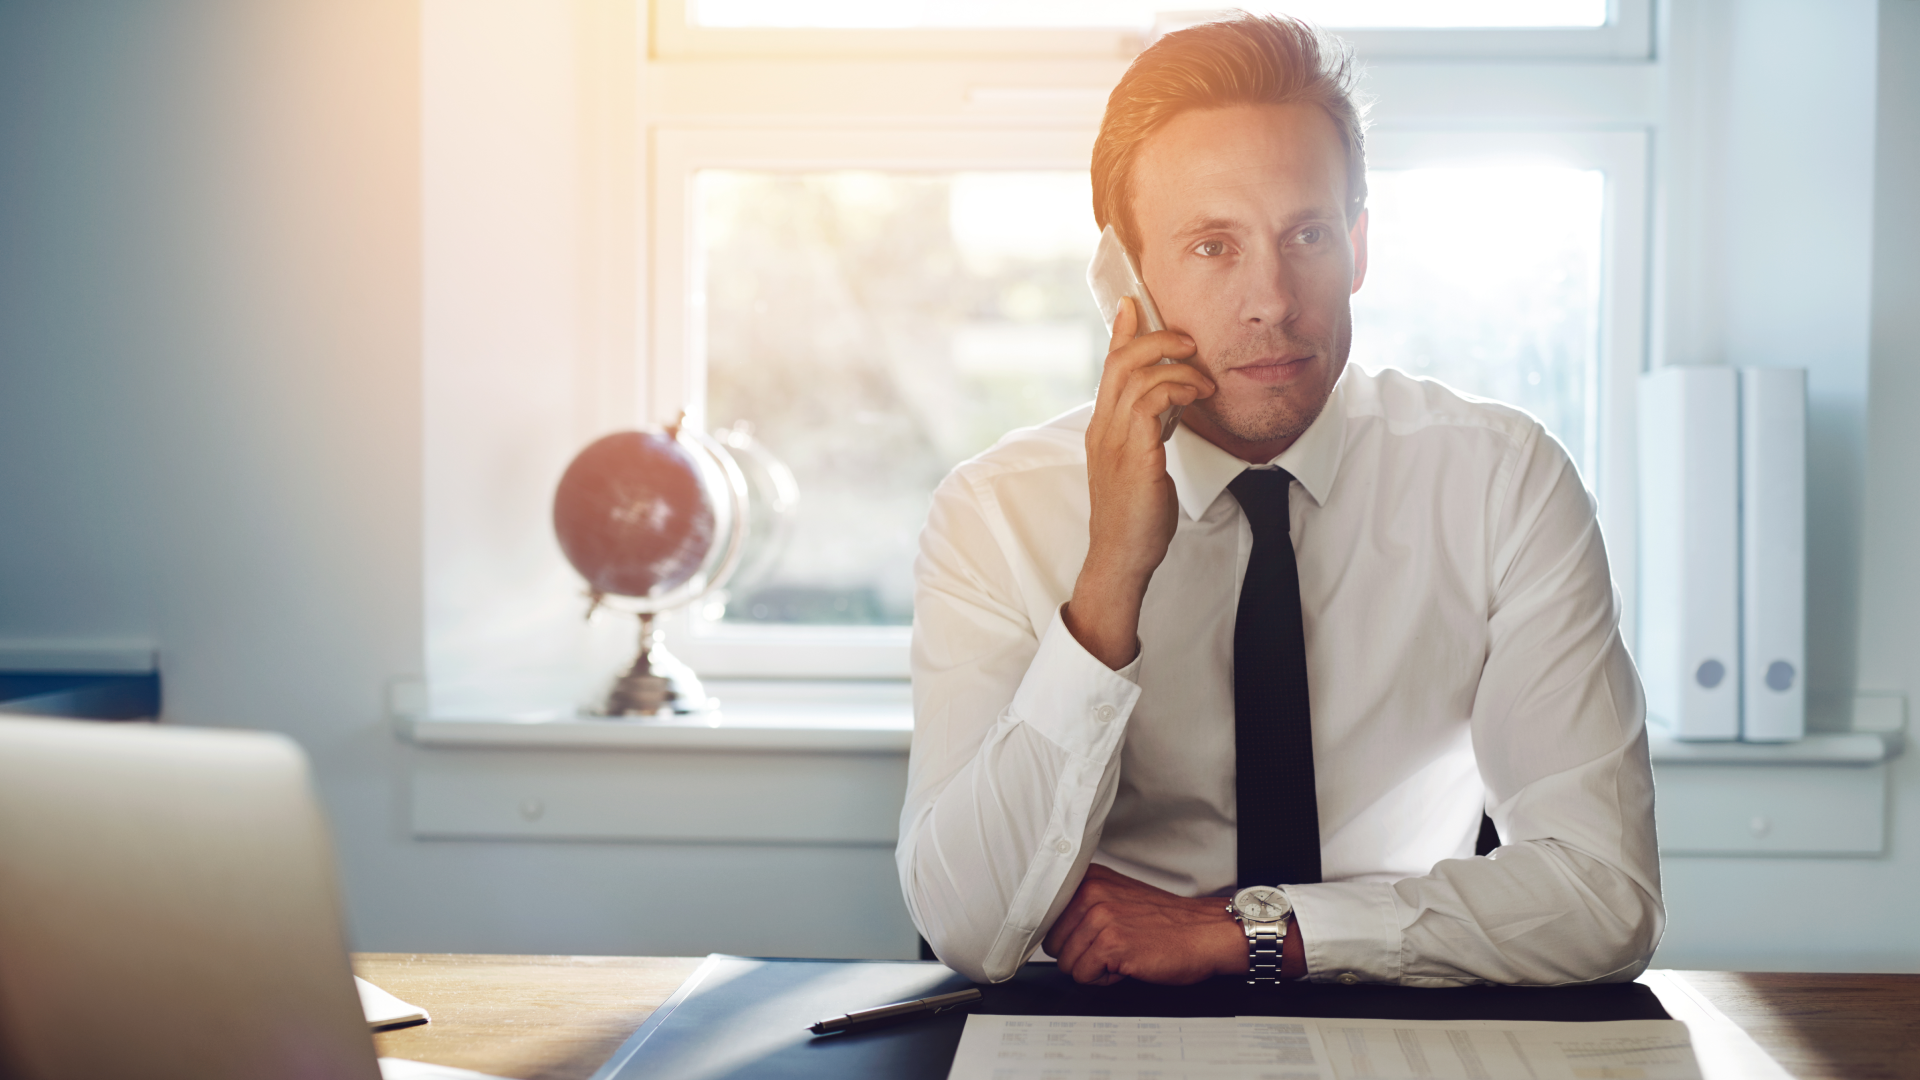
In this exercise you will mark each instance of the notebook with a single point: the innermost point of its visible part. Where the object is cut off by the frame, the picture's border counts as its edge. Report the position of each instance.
(168, 909)
(384, 1011)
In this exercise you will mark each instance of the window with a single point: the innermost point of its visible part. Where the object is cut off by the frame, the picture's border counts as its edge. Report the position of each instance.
(877, 306)
(1524, 254)
(959, 312)
(1486, 277)
(875, 329)
(881, 304)
(875, 365)
(1614, 29)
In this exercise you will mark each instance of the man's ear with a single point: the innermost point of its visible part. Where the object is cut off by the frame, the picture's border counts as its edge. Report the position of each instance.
(1357, 236)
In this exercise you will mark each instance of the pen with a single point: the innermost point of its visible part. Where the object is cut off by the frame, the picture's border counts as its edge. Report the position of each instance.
(898, 1009)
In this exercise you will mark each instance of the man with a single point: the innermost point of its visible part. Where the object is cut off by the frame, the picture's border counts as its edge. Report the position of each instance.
(1302, 644)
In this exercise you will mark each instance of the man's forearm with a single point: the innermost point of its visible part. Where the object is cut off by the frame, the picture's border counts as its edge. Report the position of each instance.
(1004, 797)
(1117, 927)
(1104, 613)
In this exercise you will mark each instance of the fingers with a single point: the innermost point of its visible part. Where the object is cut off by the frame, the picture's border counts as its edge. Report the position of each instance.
(1126, 323)
(1056, 938)
(1070, 918)
(1090, 938)
(1097, 886)
(1149, 392)
(1128, 354)
(1084, 955)
(1147, 351)
(1127, 421)
(1116, 927)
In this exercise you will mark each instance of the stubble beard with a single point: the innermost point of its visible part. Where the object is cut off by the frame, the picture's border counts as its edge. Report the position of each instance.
(1280, 413)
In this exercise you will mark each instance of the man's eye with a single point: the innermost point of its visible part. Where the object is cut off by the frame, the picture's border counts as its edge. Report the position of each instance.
(1310, 236)
(1211, 249)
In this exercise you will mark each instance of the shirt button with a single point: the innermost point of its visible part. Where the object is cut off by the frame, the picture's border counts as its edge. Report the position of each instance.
(1062, 846)
(1347, 978)
(1103, 714)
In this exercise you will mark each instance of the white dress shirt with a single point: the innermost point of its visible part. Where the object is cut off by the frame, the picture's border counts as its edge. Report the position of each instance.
(1463, 652)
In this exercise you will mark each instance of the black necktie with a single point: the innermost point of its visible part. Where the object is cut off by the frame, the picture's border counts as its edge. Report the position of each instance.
(1279, 822)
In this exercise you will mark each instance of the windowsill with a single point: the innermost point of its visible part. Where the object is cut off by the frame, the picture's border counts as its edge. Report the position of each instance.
(877, 717)
(1821, 748)
(844, 717)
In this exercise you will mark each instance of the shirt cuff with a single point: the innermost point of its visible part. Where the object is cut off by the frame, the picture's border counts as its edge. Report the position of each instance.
(1351, 930)
(1070, 697)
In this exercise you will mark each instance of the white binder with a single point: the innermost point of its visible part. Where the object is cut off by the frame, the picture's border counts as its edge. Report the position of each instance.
(1773, 553)
(1690, 550)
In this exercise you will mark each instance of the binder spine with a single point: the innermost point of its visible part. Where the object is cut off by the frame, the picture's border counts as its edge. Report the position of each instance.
(1690, 550)
(1773, 542)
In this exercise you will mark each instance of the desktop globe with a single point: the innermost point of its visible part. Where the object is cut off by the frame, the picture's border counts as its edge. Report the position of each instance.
(653, 520)
(636, 514)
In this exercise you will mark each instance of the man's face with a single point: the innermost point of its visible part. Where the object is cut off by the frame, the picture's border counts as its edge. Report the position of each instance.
(1246, 248)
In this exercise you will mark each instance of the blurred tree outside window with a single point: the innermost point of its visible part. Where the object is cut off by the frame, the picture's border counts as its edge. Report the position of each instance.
(875, 329)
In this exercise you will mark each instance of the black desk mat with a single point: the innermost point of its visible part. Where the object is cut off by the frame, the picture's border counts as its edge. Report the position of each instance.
(740, 1018)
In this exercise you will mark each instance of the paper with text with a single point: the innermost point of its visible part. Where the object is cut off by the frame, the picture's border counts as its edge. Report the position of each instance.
(1297, 1048)
(1138, 1048)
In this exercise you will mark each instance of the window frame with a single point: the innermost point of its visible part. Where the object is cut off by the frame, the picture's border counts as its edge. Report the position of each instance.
(1626, 35)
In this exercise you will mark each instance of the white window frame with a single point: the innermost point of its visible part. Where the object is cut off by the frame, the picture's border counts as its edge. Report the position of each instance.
(1626, 35)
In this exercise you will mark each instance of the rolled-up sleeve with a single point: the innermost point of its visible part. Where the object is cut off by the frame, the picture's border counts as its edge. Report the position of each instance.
(1573, 893)
(1016, 751)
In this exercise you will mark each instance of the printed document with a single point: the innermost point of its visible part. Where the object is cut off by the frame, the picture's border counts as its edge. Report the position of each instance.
(1298, 1048)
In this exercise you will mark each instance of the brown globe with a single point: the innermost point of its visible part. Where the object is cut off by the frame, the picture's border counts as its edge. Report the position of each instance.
(634, 515)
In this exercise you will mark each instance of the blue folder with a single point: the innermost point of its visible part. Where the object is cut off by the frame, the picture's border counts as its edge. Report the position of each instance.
(741, 1018)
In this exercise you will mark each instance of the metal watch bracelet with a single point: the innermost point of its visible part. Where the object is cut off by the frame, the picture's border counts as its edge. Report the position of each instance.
(1264, 953)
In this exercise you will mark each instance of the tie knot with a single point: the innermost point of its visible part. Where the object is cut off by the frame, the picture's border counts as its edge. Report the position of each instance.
(1263, 498)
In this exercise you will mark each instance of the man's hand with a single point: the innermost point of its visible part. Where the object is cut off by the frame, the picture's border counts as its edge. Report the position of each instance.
(1116, 927)
(1133, 501)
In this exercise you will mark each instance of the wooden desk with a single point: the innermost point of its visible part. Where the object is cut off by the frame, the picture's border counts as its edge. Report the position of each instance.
(559, 1017)
(1823, 1027)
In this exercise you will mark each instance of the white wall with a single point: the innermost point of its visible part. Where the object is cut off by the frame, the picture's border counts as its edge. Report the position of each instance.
(1790, 240)
(212, 325)
(209, 347)
(528, 318)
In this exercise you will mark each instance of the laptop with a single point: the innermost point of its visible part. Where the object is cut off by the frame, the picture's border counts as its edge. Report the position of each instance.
(168, 909)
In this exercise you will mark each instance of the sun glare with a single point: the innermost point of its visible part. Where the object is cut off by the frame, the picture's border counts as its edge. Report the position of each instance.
(1030, 14)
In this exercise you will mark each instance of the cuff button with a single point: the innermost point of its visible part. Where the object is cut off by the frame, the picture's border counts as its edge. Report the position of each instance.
(1347, 978)
(1103, 714)
(1062, 846)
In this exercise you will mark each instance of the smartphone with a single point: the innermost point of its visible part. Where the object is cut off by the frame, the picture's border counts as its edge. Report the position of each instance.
(1113, 274)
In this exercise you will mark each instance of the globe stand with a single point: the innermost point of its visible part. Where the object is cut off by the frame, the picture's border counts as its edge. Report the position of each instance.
(657, 682)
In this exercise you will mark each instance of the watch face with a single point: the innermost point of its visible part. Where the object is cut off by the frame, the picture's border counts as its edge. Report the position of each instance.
(1261, 903)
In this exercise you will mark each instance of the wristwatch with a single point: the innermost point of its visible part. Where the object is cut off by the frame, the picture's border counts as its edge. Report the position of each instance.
(1263, 912)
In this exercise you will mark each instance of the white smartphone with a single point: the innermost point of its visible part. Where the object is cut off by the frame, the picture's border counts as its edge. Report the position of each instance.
(1112, 274)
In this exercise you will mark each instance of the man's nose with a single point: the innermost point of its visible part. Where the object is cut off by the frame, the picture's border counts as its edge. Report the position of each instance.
(1269, 297)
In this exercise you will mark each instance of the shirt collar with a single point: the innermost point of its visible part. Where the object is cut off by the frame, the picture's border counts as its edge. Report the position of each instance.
(1201, 470)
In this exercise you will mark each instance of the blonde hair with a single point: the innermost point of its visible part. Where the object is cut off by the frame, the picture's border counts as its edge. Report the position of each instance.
(1241, 60)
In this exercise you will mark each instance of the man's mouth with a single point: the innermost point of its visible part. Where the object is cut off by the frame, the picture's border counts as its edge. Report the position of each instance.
(1274, 370)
